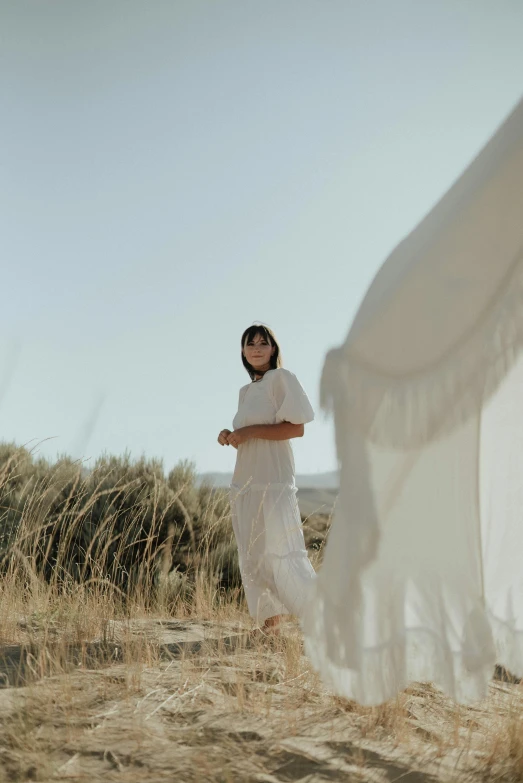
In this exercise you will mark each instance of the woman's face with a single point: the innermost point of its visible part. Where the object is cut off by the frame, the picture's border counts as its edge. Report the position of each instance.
(258, 351)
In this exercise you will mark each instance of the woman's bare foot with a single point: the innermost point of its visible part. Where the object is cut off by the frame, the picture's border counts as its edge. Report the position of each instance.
(271, 624)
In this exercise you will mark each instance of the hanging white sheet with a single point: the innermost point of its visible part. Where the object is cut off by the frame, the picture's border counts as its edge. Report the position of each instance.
(421, 578)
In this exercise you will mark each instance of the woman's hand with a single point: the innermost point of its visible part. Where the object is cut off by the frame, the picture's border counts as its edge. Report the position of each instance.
(238, 437)
(222, 437)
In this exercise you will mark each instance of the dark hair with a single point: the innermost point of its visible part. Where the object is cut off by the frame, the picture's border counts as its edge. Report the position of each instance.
(267, 334)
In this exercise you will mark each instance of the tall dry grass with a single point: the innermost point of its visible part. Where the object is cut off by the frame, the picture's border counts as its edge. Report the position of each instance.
(80, 547)
(122, 534)
(128, 654)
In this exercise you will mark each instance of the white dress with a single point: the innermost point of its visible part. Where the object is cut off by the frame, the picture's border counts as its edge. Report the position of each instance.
(275, 569)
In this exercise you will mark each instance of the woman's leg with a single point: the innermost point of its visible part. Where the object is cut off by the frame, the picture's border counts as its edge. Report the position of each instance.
(271, 624)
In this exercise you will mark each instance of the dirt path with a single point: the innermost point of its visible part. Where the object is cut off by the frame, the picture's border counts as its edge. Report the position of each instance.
(197, 701)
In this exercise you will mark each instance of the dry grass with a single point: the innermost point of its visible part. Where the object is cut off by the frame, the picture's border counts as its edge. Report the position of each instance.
(99, 693)
(169, 682)
(211, 701)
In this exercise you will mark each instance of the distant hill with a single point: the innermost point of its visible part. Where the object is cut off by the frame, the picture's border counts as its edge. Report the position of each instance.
(314, 500)
(317, 492)
(303, 481)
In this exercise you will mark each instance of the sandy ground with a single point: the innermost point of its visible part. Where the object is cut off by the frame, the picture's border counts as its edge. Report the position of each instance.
(167, 700)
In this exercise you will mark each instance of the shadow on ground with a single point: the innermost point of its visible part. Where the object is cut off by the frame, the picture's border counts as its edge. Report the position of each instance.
(22, 664)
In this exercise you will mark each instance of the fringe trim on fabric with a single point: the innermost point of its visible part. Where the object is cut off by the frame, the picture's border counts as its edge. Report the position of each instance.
(408, 412)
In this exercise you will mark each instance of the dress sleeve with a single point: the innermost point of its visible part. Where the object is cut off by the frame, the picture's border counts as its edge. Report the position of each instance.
(292, 404)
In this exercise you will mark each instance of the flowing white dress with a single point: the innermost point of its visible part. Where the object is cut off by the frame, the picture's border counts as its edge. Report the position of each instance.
(276, 572)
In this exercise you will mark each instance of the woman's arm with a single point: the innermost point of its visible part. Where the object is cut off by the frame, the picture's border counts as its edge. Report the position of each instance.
(284, 430)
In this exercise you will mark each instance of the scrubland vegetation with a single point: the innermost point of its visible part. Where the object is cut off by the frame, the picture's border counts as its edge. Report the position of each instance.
(126, 652)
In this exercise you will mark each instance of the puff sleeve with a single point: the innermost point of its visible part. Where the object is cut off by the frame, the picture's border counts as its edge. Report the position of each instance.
(292, 404)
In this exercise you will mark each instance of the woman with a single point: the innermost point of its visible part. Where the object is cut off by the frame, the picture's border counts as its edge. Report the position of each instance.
(273, 408)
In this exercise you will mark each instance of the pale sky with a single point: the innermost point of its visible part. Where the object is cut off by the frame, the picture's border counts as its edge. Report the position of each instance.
(173, 170)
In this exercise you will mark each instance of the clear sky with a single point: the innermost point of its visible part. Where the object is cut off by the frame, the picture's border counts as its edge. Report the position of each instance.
(173, 170)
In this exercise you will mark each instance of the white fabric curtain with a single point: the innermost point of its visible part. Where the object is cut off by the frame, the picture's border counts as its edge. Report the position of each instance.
(422, 578)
